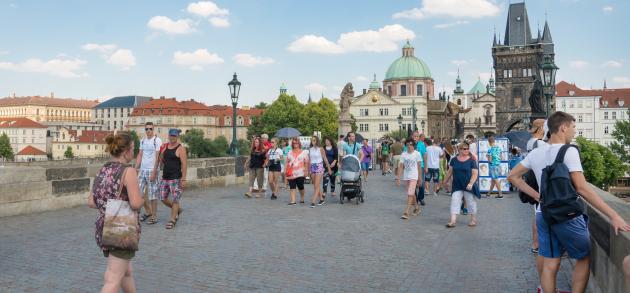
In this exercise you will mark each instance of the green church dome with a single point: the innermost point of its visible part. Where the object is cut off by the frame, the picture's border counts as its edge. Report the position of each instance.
(478, 88)
(408, 66)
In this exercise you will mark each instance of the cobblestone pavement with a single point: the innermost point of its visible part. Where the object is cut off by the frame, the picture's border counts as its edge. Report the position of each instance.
(227, 243)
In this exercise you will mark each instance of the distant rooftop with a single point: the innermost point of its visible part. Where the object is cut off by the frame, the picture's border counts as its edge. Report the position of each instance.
(123, 102)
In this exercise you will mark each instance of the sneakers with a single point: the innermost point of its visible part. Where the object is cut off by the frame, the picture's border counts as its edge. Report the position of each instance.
(312, 205)
(422, 203)
(533, 250)
(292, 203)
(464, 211)
(500, 196)
(321, 203)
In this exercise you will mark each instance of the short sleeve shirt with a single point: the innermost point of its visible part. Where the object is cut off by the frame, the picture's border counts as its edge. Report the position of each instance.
(462, 172)
(495, 155)
(351, 149)
(297, 162)
(410, 163)
(149, 147)
(433, 157)
(545, 155)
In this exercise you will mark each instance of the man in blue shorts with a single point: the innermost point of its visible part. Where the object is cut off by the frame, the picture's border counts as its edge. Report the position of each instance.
(572, 235)
(494, 157)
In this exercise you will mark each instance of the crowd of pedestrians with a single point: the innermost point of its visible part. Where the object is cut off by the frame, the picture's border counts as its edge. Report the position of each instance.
(425, 165)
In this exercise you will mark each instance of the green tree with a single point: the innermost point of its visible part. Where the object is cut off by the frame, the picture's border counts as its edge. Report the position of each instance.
(198, 146)
(622, 134)
(256, 127)
(6, 151)
(285, 111)
(219, 147)
(136, 141)
(68, 154)
(592, 162)
(615, 168)
(244, 147)
(261, 105)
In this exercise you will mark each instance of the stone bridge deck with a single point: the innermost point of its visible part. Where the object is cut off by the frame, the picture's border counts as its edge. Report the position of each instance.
(227, 243)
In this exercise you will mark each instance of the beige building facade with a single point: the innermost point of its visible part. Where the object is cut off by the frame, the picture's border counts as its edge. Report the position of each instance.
(43, 109)
(84, 144)
(24, 132)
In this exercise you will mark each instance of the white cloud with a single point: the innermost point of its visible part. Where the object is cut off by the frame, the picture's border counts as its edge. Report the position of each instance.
(101, 48)
(196, 60)
(361, 78)
(459, 62)
(315, 88)
(385, 39)
(169, 26)
(206, 8)
(451, 8)
(219, 22)
(612, 64)
(251, 60)
(608, 9)
(4, 52)
(65, 68)
(578, 64)
(123, 58)
(450, 24)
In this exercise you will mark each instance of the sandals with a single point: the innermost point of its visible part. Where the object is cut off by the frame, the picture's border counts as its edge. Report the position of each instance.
(416, 211)
(405, 216)
(171, 224)
(248, 195)
(472, 224)
(151, 221)
(144, 217)
(450, 225)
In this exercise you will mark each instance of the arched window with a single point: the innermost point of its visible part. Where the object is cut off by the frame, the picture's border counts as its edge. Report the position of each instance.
(459, 102)
(240, 120)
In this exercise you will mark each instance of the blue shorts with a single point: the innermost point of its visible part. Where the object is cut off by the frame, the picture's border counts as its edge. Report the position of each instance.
(432, 174)
(571, 236)
(365, 166)
(495, 171)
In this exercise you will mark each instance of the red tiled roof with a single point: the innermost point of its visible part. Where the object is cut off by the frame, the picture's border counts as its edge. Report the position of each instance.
(612, 96)
(48, 101)
(92, 136)
(19, 123)
(31, 151)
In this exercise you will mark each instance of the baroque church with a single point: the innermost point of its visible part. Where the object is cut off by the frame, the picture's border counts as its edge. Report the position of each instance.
(516, 60)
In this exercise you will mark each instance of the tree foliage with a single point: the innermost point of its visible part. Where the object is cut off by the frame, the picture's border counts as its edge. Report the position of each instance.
(6, 151)
(68, 154)
(601, 166)
(136, 141)
(200, 147)
(622, 134)
(244, 147)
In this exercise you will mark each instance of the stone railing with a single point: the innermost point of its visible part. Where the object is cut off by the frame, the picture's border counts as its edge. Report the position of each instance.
(33, 189)
(608, 250)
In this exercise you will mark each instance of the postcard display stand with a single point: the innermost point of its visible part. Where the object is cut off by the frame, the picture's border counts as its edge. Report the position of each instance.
(484, 165)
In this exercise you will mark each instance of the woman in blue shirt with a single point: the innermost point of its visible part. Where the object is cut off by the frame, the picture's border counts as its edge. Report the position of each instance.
(464, 171)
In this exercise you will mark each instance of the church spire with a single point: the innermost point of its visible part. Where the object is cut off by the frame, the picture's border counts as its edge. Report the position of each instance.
(546, 38)
(458, 84)
(494, 40)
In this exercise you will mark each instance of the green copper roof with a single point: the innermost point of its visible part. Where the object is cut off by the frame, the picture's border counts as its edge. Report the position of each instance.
(479, 88)
(283, 86)
(374, 85)
(408, 67)
(407, 45)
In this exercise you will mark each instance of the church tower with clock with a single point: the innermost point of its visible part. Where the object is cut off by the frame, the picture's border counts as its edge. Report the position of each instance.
(516, 61)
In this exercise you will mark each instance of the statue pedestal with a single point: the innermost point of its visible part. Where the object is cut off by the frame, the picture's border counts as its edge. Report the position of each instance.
(345, 122)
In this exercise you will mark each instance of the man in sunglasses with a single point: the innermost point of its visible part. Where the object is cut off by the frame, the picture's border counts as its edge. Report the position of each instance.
(146, 164)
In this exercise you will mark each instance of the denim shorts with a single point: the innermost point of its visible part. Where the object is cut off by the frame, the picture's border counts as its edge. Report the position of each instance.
(495, 171)
(571, 236)
(432, 174)
(365, 166)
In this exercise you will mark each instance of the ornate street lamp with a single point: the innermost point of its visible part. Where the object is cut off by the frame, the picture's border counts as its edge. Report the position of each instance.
(548, 71)
(414, 114)
(422, 125)
(235, 88)
(400, 118)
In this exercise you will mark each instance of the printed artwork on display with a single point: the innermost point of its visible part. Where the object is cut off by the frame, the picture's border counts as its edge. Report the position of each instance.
(484, 168)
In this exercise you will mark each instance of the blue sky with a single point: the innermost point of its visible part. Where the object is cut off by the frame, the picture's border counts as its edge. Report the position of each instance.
(189, 49)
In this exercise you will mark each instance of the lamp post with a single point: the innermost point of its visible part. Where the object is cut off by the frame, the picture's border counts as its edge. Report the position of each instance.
(547, 71)
(235, 88)
(422, 125)
(414, 113)
(400, 118)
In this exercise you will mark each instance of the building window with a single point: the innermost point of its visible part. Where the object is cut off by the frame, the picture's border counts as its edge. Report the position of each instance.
(580, 118)
(88, 146)
(364, 112)
(524, 72)
(77, 147)
(389, 90)
(384, 111)
(403, 90)
(579, 132)
(115, 124)
(606, 129)
(614, 115)
(606, 115)
(505, 73)
(169, 120)
(194, 120)
(459, 102)
(580, 104)
(364, 127)
(529, 72)
(404, 111)
(419, 90)
(383, 127)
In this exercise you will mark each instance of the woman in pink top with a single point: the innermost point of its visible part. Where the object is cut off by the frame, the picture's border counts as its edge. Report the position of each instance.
(297, 169)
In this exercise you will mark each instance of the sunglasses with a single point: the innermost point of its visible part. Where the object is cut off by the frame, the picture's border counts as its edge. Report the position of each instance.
(463, 149)
(147, 129)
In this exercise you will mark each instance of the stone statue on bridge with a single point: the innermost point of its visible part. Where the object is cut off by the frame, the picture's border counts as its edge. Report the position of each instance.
(536, 97)
(345, 99)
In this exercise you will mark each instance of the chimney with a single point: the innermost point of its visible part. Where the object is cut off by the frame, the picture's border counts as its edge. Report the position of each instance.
(192, 100)
(52, 95)
(162, 97)
(364, 91)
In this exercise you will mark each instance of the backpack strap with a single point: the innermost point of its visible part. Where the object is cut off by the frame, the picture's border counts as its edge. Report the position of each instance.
(563, 151)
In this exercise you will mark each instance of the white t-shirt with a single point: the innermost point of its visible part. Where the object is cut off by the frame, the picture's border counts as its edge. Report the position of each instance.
(149, 147)
(410, 163)
(532, 141)
(433, 156)
(275, 154)
(545, 154)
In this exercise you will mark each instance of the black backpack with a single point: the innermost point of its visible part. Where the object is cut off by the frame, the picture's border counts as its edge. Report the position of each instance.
(559, 201)
(530, 179)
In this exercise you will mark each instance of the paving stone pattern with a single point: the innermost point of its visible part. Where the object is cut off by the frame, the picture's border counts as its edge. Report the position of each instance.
(227, 243)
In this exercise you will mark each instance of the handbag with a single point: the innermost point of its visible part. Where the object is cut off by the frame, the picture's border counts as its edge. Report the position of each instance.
(120, 227)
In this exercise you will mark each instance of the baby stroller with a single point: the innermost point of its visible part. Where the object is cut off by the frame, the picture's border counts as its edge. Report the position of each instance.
(351, 179)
